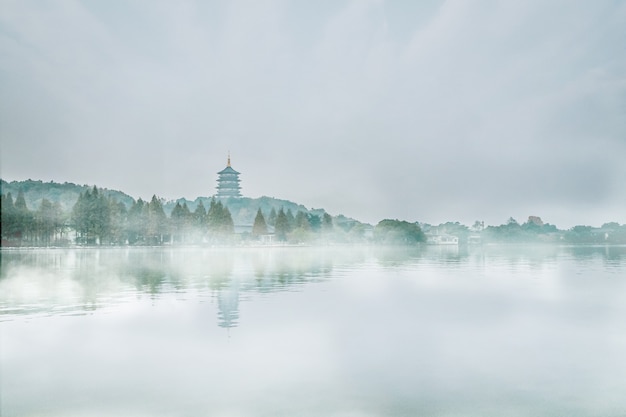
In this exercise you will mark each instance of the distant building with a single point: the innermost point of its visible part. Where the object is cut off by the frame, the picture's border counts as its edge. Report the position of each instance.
(228, 182)
(441, 239)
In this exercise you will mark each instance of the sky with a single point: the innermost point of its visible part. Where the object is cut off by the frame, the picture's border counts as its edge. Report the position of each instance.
(427, 111)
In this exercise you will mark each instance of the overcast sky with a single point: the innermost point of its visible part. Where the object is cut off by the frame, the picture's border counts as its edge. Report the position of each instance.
(425, 111)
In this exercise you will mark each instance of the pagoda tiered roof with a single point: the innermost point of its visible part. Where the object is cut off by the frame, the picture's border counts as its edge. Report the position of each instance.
(228, 170)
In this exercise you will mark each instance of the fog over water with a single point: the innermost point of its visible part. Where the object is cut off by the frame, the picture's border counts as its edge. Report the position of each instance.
(426, 111)
(435, 331)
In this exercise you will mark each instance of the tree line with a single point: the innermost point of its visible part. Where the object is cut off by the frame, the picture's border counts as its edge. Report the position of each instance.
(99, 220)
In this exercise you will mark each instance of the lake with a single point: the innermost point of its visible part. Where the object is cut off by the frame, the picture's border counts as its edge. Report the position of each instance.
(293, 331)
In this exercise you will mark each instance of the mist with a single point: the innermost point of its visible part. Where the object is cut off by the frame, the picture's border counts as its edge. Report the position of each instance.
(378, 109)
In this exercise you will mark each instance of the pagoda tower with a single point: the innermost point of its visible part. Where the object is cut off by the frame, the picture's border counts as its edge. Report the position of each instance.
(228, 182)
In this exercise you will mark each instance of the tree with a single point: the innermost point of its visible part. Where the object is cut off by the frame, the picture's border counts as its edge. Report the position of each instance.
(157, 221)
(45, 222)
(8, 218)
(91, 217)
(290, 219)
(198, 222)
(259, 227)
(327, 223)
(315, 222)
(302, 222)
(220, 221)
(512, 222)
(199, 216)
(20, 201)
(101, 221)
(302, 230)
(24, 218)
(398, 232)
(136, 229)
(282, 225)
(478, 226)
(271, 219)
(181, 221)
(118, 216)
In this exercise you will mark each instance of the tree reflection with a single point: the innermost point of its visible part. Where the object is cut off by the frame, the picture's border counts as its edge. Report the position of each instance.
(49, 282)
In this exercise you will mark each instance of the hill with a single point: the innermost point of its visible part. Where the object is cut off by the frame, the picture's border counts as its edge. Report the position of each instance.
(65, 194)
(243, 209)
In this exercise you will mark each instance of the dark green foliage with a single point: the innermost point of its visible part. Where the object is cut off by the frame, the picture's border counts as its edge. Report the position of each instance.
(282, 226)
(118, 215)
(271, 219)
(513, 232)
(42, 227)
(136, 223)
(24, 218)
(219, 221)
(8, 217)
(99, 218)
(199, 216)
(398, 232)
(91, 218)
(65, 194)
(46, 222)
(20, 201)
(327, 223)
(315, 222)
(259, 227)
(302, 228)
(290, 219)
(585, 234)
(156, 222)
(301, 221)
(182, 223)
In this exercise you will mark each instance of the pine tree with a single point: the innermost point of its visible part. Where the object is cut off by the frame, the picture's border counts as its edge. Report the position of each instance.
(101, 220)
(157, 221)
(118, 221)
(24, 218)
(302, 221)
(181, 222)
(176, 219)
(199, 216)
(290, 219)
(259, 227)
(136, 223)
(220, 221)
(228, 225)
(8, 217)
(91, 217)
(198, 223)
(44, 222)
(20, 201)
(327, 223)
(282, 225)
(213, 215)
(271, 219)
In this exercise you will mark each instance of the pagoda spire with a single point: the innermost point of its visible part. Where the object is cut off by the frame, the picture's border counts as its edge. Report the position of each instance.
(228, 164)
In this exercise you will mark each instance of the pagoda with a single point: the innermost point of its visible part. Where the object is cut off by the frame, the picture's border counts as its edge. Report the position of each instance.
(228, 182)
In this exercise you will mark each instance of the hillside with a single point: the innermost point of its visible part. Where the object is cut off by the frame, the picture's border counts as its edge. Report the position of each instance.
(242, 209)
(66, 194)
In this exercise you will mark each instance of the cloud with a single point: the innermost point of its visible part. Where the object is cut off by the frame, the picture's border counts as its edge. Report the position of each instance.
(439, 111)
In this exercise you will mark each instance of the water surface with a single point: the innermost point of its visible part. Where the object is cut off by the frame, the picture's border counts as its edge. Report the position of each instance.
(308, 332)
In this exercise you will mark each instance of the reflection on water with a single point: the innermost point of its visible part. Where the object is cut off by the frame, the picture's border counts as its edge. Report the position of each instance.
(75, 281)
(436, 331)
(42, 282)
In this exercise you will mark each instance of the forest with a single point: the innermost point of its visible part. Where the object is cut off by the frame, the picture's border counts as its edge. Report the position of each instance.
(98, 219)
(52, 214)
